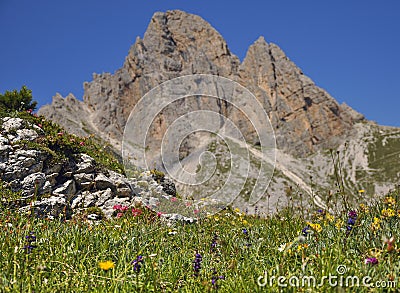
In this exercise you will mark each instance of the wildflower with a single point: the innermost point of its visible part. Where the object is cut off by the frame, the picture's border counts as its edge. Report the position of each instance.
(316, 227)
(245, 231)
(60, 133)
(282, 247)
(390, 244)
(390, 201)
(40, 125)
(353, 214)
(244, 222)
(29, 111)
(305, 231)
(119, 215)
(136, 212)
(197, 264)
(159, 214)
(117, 207)
(106, 265)
(329, 217)
(376, 224)
(137, 263)
(371, 260)
(361, 191)
(214, 242)
(174, 199)
(31, 238)
(215, 278)
(196, 212)
(364, 208)
(339, 223)
(351, 221)
(388, 213)
(82, 143)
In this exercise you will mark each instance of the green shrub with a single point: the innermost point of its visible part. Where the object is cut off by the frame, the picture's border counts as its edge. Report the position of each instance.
(17, 101)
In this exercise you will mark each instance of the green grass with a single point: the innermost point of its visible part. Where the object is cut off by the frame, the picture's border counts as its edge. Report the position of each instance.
(67, 254)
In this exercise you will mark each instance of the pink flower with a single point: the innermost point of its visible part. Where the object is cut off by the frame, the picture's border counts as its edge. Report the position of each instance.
(60, 133)
(371, 260)
(29, 111)
(188, 204)
(123, 209)
(117, 207)
(136, 212)
(81, 143)
(159, 214)
(40, 125)
(196, 212)
(119, 215)
(174, 199)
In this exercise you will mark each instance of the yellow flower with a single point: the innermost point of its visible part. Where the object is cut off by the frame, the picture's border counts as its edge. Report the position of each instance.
(376, 225)
(106, 265)
(388, 213)
(329, 217)
(315, 227)
(364, 208)
(390, 201)
(339, 223)
(244, 222)
(361, 191)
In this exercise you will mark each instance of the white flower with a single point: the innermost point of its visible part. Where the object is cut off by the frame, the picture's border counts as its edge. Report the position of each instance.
(282, 247)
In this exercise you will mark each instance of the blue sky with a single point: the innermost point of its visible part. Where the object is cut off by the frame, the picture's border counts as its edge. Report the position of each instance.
(349, 48)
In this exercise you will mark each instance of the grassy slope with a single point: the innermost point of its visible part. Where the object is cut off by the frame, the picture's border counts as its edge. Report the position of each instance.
(66, 255)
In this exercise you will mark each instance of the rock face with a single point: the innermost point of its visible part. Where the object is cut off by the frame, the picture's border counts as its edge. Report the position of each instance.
(66, 187)
(304, 116)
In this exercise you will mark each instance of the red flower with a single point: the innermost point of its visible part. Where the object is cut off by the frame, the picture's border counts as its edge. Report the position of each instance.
(136, 212)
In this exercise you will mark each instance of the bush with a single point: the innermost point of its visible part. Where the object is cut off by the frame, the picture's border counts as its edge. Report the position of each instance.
(17, 101)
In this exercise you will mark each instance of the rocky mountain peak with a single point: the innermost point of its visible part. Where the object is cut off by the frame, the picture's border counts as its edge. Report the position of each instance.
(176, 43)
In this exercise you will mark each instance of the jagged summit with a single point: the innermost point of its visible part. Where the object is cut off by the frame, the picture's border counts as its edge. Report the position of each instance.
(307, 121)
(177, 43)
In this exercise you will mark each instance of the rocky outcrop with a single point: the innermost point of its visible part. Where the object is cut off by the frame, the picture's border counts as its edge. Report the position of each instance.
(65, 187)
(305, 117)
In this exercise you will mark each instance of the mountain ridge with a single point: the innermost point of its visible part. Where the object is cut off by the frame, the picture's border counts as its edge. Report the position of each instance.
(307, 121)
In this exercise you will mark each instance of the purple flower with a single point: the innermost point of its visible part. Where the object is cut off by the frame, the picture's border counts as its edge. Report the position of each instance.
(245, 231)
(353, 214)
(214, 242)
(351, 221)
(31, 238)
(305, 231)
(197, 264)
(137, 263)
(371, 260)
